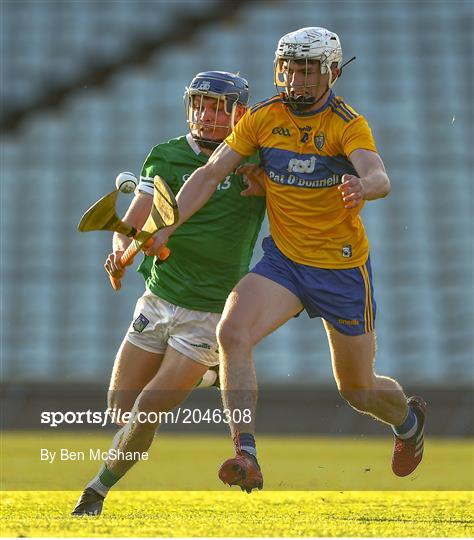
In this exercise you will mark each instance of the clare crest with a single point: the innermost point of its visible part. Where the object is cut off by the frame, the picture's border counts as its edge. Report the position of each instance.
(319, 140)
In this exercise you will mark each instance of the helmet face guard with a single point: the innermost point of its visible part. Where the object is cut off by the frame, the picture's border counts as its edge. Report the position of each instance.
(228, 90)
(299, 97)
(301, 49)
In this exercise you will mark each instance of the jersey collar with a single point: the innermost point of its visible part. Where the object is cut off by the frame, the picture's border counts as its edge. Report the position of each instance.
(193, 144)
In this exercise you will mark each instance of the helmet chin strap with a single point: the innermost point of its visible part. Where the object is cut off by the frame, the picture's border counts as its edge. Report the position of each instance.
(209, 144)
(303, 103)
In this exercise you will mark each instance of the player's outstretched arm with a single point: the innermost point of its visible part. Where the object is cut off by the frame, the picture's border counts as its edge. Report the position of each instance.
(198, 189)
(372, 182)
(136, 216)
(204, 181)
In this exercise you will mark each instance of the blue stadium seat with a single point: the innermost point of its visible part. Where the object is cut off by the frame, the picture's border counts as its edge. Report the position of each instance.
(64, 159)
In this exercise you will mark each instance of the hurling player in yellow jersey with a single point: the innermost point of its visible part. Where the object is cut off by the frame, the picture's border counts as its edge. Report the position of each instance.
(320, 165)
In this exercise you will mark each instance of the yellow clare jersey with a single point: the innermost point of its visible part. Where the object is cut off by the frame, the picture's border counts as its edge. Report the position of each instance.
(304, 158)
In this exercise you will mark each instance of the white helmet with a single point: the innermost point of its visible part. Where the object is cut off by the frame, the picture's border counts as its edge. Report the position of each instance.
(312, 43)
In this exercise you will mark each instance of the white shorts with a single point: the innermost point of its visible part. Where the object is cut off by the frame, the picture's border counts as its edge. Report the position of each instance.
(157, 324)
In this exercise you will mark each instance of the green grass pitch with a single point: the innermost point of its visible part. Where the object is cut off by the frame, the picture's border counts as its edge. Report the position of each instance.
(313, 487)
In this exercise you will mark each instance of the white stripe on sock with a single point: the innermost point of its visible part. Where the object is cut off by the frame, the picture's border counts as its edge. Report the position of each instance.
(410, 433)
(98, 486)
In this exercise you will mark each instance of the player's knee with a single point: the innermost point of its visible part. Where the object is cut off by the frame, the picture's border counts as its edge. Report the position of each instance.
(112, 399)
(113, 405)
(120, 402)
(232, 336)
(359, 397)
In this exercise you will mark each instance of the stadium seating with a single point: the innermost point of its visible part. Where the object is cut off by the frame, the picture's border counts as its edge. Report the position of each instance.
(60, 318)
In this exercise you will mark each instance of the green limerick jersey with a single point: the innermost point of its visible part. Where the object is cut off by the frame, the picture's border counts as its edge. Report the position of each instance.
(212, 250)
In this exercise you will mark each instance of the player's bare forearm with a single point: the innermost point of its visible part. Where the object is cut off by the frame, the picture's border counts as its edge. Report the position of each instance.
(371, 183)
(196, 192)
(376, 185)
(198, 189)
(136, 216)
(120, 242)
(203, 182)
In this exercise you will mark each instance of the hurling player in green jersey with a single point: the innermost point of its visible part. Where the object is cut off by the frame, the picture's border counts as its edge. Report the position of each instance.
(171, 343)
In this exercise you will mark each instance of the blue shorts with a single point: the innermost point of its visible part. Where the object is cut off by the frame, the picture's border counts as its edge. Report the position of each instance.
(344, 298)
